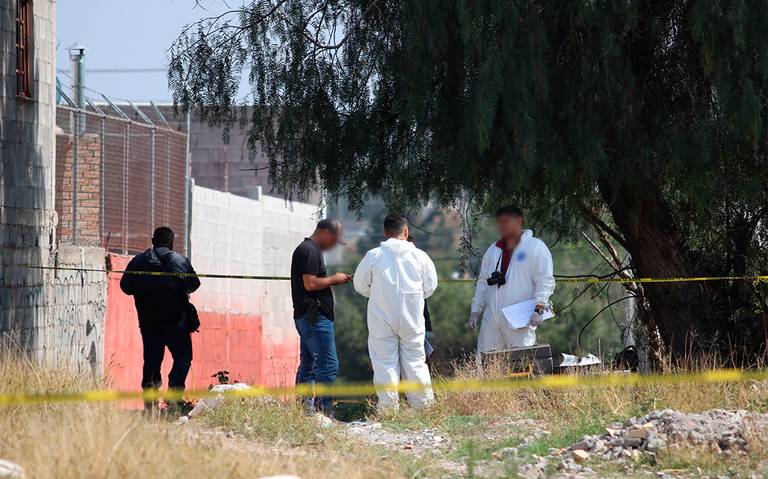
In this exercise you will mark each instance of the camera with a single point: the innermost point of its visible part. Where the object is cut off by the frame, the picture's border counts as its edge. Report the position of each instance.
(496, 279)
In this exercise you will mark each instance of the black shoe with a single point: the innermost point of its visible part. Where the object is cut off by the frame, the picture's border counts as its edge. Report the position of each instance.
(178, 409)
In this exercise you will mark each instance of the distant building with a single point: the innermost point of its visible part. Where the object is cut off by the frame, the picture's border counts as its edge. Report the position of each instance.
(224, 163)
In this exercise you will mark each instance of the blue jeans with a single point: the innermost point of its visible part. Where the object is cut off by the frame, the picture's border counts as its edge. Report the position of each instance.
(318, 362)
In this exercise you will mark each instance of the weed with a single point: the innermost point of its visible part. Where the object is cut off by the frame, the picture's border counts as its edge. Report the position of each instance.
(266, 419)
(76, 440)
(563, 437)
(478, 449)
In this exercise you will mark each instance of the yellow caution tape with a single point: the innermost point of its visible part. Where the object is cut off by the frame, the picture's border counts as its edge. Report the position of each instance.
(585, 279)
(563, 381)
(160, 273)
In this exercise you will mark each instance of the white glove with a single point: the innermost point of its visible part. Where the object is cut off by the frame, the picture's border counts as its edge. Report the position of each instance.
(536, 320)
(474, 318)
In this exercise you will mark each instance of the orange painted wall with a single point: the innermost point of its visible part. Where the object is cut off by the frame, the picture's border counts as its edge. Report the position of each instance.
(231, 342)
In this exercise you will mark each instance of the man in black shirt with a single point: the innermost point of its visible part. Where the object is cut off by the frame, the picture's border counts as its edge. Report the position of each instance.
(313, 309)
(161, 304)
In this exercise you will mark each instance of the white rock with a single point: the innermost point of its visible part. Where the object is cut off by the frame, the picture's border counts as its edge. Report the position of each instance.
(11, 470)
(323, 421)
(579, 455)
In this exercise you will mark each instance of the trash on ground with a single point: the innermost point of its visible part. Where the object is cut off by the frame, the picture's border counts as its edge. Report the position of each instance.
(11, 470)
(215, 398)
(571, 360)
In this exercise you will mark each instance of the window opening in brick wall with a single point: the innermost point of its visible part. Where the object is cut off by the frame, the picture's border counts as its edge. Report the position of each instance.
(23, 53)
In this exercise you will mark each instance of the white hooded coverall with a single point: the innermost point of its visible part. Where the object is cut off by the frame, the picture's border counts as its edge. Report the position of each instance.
(397, 277)
(529, 276)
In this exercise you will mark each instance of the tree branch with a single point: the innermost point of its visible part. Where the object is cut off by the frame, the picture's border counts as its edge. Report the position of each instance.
(599, 223)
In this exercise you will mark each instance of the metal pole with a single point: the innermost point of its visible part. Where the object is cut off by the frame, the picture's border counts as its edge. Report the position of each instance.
(152, 178)
(126, 152)
(187, 186)
(75, 154)
(102, 176)
(77, 62)
(167, 178)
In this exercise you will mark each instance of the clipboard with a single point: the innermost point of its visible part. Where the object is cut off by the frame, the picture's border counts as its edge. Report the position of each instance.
(518, 315)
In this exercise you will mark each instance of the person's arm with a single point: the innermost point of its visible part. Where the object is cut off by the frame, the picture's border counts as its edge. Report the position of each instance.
(312, 282)
(543, 276)
(478, 300)
(364, 275)
(429, 279)
(180, 264)
(310, 269)
(128, 281)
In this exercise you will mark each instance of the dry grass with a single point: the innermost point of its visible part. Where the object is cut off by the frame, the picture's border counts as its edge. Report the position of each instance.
(274, 437)
(79, 440)
(603, 402)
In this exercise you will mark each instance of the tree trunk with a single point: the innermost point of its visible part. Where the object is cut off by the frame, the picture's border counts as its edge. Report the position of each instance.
(680, 310)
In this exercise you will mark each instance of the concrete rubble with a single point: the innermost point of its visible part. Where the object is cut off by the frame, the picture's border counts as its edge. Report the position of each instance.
(373, 432)
(721, 431)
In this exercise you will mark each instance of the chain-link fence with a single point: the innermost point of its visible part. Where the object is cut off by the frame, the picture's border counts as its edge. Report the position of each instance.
(118, 178)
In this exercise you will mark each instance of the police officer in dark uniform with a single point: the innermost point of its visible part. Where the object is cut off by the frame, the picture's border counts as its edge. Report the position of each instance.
(166, 318)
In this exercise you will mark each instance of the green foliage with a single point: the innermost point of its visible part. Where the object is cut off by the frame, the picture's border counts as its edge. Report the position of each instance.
(645, 119)
(564, 437)
(482, 450)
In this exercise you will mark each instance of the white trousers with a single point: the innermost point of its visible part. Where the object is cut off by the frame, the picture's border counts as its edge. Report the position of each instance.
(497, 335)
(395, 357)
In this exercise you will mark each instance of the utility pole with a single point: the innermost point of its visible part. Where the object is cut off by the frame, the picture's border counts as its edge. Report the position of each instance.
(77, 60)
(77, 67)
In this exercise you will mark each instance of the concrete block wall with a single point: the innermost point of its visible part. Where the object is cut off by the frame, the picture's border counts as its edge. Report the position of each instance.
(74, 326)
(236, 235)
(27, 215)
(247, 326)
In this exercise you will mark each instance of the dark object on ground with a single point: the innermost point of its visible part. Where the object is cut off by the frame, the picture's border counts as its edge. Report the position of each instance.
(536, 359)
(627, 359)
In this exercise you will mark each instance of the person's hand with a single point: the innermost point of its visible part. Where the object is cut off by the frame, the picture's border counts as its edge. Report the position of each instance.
(474, 318)
(537, 318)
(341, 278)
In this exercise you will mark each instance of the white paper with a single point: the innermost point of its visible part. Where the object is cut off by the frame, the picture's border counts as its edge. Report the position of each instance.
(571, 360)
(518, 315)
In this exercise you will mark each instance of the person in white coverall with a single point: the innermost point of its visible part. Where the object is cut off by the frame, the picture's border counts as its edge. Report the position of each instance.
(397, 277)
(519, 268)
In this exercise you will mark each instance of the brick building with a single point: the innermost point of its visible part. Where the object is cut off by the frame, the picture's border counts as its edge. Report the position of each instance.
(88, 186)
(54, 317)
(80, 196)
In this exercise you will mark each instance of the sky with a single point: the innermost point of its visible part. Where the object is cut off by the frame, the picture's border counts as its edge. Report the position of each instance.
(126, 34)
